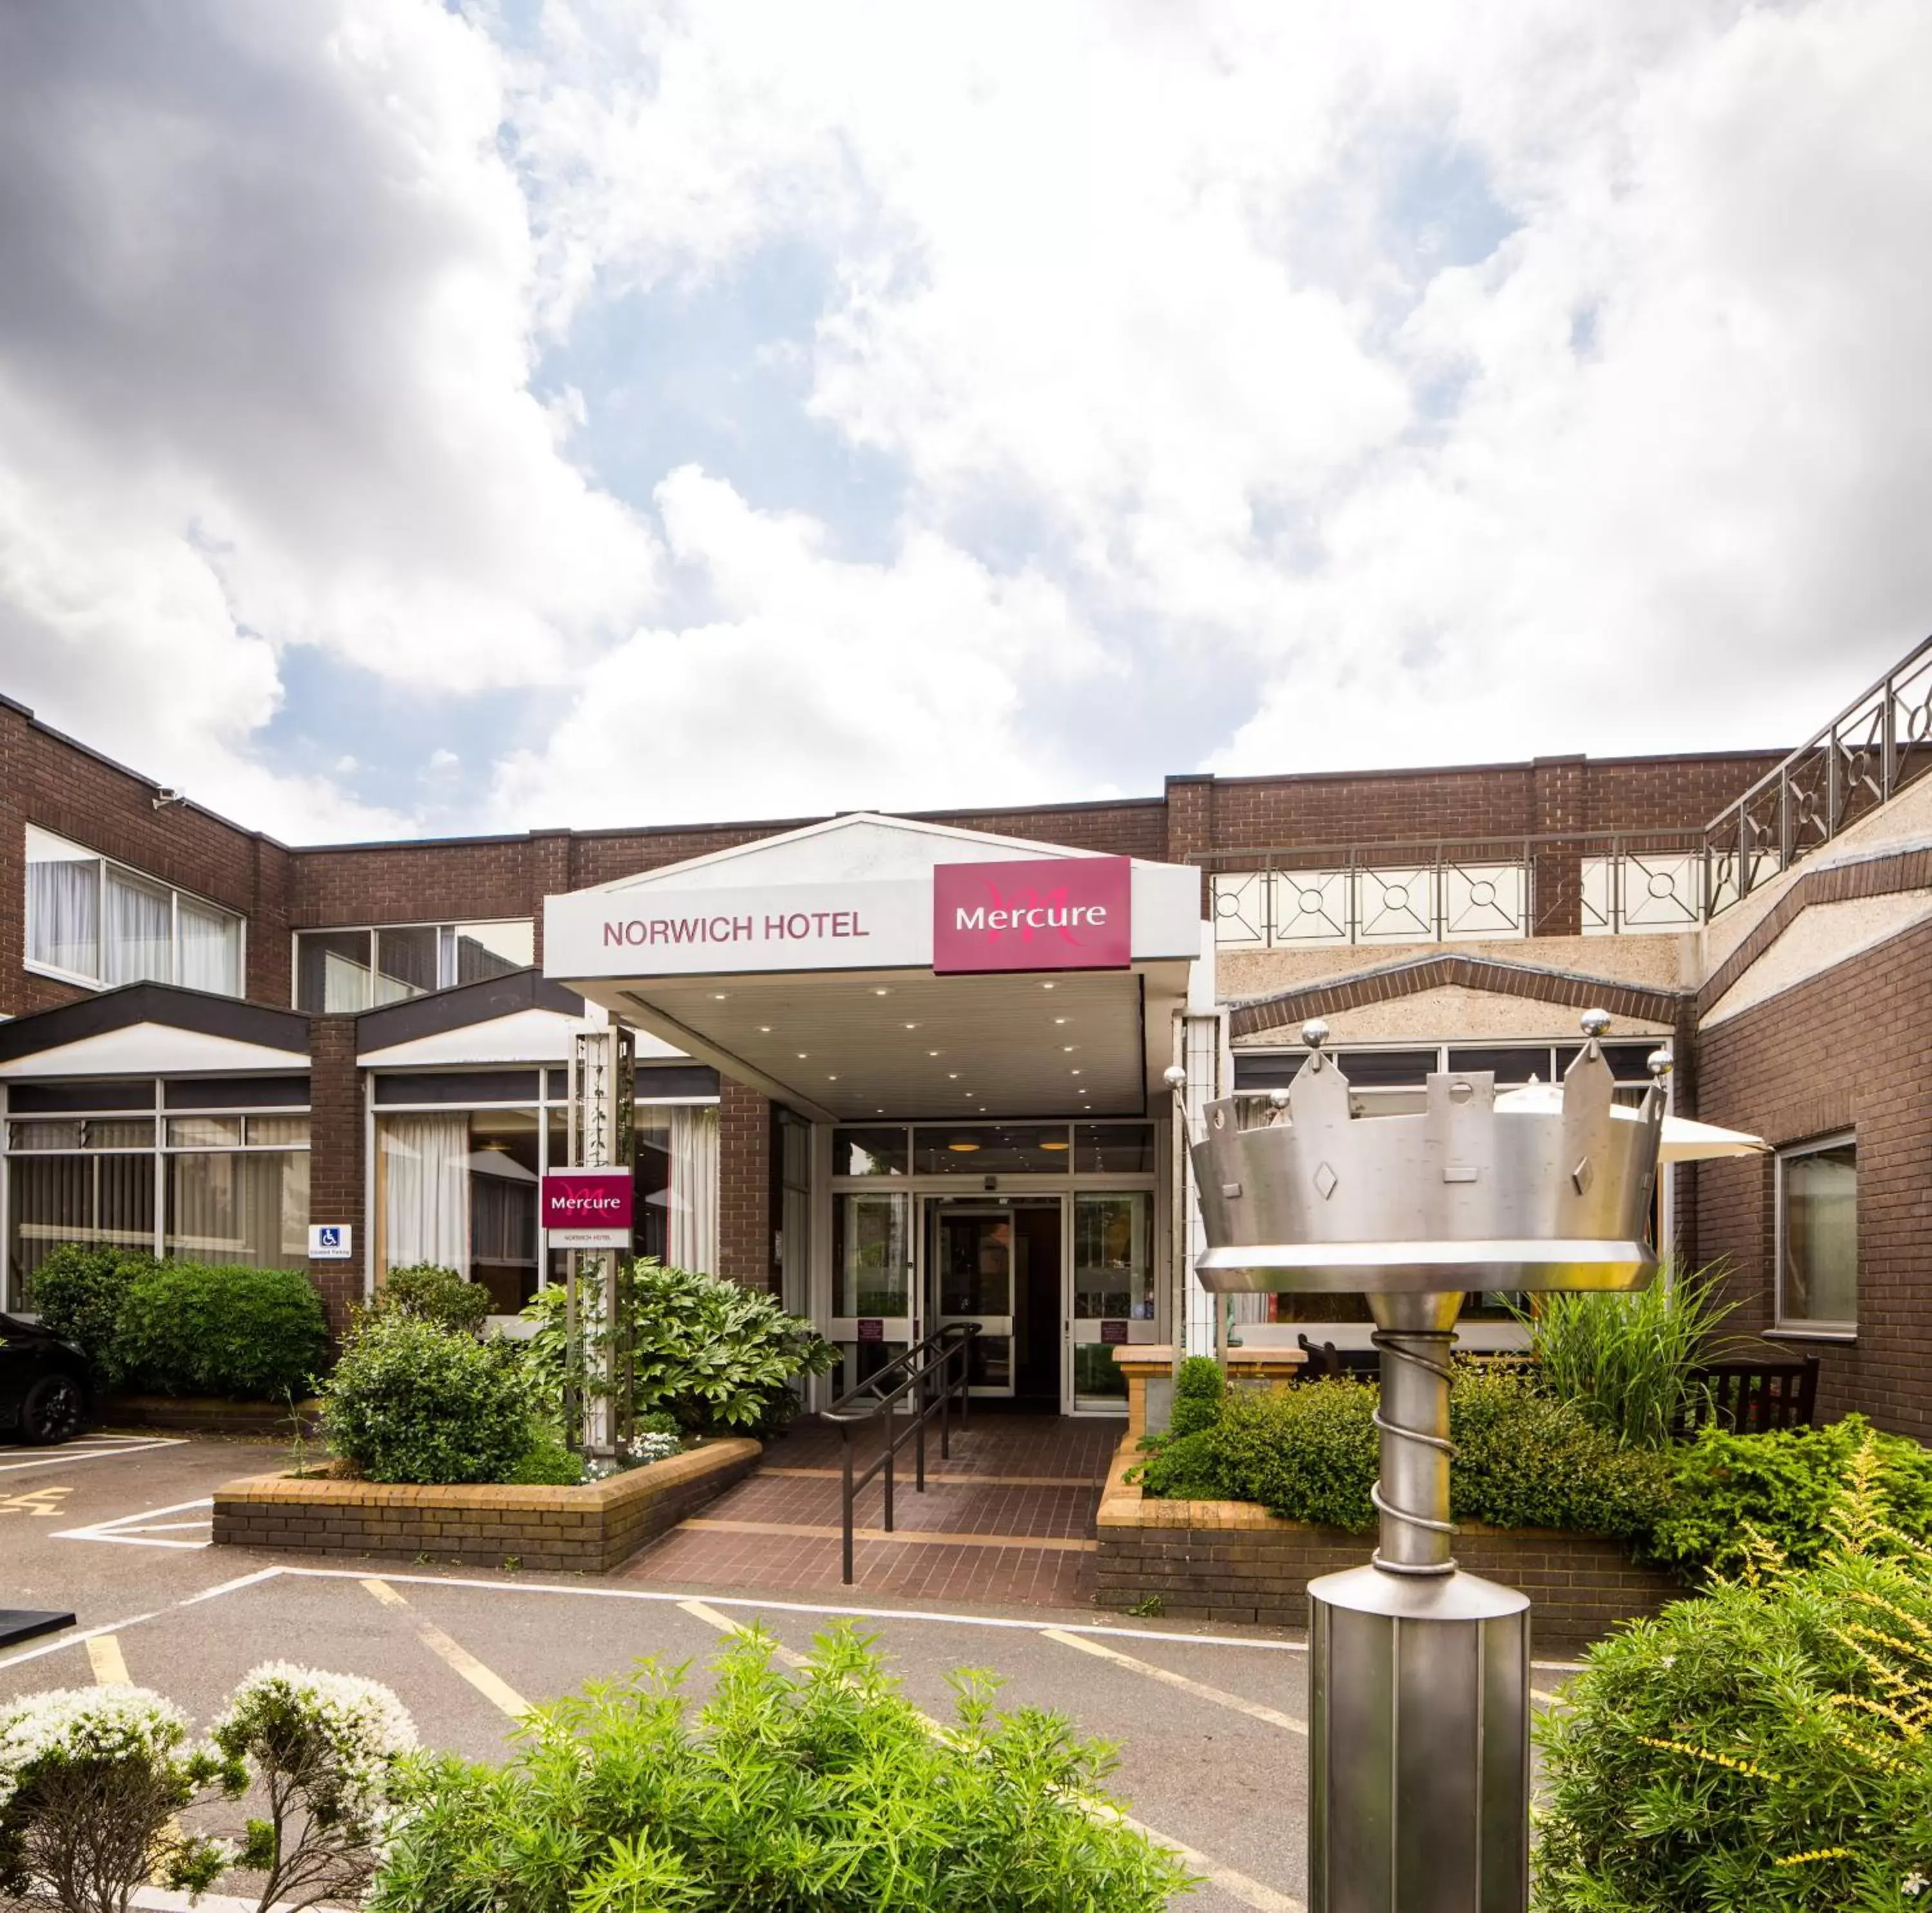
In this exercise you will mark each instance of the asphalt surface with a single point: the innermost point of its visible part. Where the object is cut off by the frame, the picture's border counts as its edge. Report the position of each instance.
(1207, 1724)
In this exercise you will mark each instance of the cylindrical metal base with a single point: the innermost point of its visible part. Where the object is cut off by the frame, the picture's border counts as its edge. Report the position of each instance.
(1418, 1745)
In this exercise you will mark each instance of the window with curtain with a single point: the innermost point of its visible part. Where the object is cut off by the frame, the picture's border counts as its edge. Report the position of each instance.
(246, 1206)
(694, 1188)
(424, 1189)
(1818, 1236)
(95, 921)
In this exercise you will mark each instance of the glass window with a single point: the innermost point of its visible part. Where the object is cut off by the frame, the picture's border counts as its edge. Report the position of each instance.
(1376, 1069)
(406, 963)
(1113, 1256)
(1113, 1148)
(870, 1153)
(870, 1259)
(140, 942)
(993, 1149)
(91, 918)
(477, 951)
(1506, 1066)
(247, 1206)
(503, 1186)
(1818, 1231)
(65, 1133)
(204, 1132)
(277, 1132)
(89, 1199)
(63, 905)
(332, 972)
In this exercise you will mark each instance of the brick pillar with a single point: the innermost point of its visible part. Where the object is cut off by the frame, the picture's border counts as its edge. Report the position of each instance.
(335, 1158)
(745, 1168)
(1190, 824)
(1556, 878)
(551, 874)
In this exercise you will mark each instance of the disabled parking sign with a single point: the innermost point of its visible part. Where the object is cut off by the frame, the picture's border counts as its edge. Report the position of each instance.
(331, 1241)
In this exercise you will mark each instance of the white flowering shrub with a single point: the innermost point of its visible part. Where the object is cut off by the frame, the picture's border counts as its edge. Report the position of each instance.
(325, 1749)
(91, 1779)
(651, 1446)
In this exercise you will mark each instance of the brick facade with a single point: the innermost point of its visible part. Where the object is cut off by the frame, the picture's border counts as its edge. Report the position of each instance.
(1851, 1049)
(336, 1183)
(748, 1208)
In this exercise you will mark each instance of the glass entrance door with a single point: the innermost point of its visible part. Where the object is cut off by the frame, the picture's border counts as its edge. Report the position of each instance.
(971, 1274)
(1110, 1298)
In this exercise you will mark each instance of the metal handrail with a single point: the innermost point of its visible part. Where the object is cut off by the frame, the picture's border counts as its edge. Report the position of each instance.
(933, 1360)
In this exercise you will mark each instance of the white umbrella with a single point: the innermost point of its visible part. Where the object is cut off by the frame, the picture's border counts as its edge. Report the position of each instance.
(1684, 1140)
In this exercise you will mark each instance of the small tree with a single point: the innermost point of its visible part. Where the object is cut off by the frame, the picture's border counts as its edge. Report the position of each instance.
(433, 1293)
(91, 1780)
(324, 1748)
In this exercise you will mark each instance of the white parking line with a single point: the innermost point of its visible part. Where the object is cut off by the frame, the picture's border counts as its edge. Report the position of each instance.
(144, 1529)
(1168, 1677)
(62, 1457)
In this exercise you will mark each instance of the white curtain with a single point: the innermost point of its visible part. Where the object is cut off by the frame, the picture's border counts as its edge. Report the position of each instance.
(63, 911)
(210, 948)
(140, 931)
(426, 1191)
(694, 1189)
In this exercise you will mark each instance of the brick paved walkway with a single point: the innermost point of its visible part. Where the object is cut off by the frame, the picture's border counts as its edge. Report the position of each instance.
(1008, 1519)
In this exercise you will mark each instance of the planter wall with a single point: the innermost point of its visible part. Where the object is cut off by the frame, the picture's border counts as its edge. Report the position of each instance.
(199, 1415)
(1233, 1561)
(589, 1529)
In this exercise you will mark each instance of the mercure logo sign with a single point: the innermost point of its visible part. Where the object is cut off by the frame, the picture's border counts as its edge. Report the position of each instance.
(1059, 913)
(588, 1208)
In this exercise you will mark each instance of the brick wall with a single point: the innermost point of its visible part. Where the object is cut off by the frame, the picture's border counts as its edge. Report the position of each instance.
(335, 1158)
(747, 1210)
(1849, 1049)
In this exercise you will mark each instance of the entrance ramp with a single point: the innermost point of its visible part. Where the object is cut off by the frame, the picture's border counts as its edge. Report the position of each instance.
(1009, 1521)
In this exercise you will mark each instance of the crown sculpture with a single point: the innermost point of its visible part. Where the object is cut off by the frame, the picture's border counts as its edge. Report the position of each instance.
(1300, 1193)
(1419, 1674)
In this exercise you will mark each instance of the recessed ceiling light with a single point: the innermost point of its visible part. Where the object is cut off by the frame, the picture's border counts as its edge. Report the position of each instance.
(1076, 1072)
(882, 993)
(1054, 1142)
(801, 1055)
(1066, 1049)
(717, 996)
(1060, 1019)
(963, 1145)
(932, 1052)
(1046, 985)
(764, 1029)
(832, 1079)
(953, 1076)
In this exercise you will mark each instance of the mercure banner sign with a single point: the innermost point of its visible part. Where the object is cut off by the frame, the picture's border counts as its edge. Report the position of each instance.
(1065, 913)
(588, 1209)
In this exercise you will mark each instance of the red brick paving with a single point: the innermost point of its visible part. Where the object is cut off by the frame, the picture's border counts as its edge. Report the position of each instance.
(960, 1500)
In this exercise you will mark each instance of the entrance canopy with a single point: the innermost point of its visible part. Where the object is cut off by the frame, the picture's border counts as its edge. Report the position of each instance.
(874, 966)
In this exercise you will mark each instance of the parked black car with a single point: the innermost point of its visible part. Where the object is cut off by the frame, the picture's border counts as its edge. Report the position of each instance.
(45, 1392)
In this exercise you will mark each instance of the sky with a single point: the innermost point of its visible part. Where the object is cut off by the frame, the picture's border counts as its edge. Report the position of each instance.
(422, 419)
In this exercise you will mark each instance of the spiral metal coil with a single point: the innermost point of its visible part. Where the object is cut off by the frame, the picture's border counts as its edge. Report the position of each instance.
(1426, 1348)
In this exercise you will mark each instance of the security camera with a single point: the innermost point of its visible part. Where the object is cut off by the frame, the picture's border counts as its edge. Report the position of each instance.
(164, 796)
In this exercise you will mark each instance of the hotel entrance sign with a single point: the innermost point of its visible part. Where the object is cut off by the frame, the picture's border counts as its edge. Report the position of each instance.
(1066, 913)
(588, 1209)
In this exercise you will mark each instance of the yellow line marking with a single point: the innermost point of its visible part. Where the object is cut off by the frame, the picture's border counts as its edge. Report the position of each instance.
(105, 1657)
(492, 1686)
(1548, 1699)
(725, 1624)
(1237, 1885)
(938, 1478)
(1220, 1695)
(922, 1537)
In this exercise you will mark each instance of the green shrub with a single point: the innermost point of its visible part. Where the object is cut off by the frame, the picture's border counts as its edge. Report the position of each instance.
(1629, 1362)
(1732, 1493)
(410, 1401)
(78, 1290)
(189, 1327)
(1524, 1459)
(709, 1353)
(1185, 1468)
(547, 1464)
(433, 1294)
(1762, 1745)
(824, 1791)
(1306, 1453)
(1198, 1390)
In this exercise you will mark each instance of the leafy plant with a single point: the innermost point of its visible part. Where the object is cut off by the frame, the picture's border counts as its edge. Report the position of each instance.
(1198, 1390)
(1306, 1453)
(410, 1401)
(1629, 1362)
(324, 1749)
(1762, 1746)
(1734, 1494)
(1525, 1458)
(824, 1791)
(433, 1294)
(194, 1328)
(711, 1354)
(91, 1780)
(79, 1289)
(1183, 1468)
(547, 1464)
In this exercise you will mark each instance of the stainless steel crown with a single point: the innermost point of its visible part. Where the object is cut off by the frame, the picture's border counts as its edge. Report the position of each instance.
(1297, 1193)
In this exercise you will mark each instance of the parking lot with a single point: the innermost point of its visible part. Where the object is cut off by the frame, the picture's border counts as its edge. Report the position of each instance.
(1210, 1723)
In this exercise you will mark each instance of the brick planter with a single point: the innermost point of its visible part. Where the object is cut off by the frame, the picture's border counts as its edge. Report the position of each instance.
(589, 1529)
(1233, 1561)
(198, 1415)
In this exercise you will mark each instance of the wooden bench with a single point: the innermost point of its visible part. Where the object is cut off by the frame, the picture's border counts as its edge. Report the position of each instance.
(1752, 1398)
